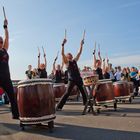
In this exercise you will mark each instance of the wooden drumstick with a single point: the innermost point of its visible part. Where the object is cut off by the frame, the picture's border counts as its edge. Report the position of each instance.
(43, 49)
(84, 34)
(95, 46)
(99, 47)
(4, 13)
(65, 33)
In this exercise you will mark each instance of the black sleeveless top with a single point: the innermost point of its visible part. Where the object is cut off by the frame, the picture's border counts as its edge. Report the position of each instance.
(99, 72)
(4, 66)
(73, 72)
(58, 76)
(42, 73)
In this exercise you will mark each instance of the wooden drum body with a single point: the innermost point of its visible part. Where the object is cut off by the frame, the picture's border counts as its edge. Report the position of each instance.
(121, 90)
(131, 87)
(36, 101)
(58, 90)
(104, 93)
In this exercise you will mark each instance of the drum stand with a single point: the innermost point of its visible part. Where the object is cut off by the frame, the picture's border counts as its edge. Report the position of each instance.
(90, 101)
(43, 125)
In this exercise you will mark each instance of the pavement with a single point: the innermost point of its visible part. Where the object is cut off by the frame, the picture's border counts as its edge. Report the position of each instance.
(70, 124)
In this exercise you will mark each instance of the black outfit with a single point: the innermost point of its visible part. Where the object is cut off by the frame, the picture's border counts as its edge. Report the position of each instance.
(42, 73)
(6, 83)
(74, 78)
(57, 76)
(99, 72)
(106, 75)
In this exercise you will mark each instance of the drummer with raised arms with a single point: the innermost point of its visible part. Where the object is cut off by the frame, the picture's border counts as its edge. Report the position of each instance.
(42, 66)
(97, 63)
(5, 80)
(74, 77)
(57, 71)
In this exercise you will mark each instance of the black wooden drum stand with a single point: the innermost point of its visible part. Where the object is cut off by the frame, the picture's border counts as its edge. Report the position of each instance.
(90, 101)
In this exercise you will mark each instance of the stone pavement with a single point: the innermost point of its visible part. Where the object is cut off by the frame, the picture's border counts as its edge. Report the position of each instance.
(123, 124)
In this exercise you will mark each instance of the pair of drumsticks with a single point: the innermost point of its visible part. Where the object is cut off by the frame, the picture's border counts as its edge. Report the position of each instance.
(65, 36)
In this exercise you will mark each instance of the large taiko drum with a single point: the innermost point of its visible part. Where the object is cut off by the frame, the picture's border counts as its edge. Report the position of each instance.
(36, 101)
(104, 92)
(58, 90)
(15, 85)
(121, 89)
(90, 80)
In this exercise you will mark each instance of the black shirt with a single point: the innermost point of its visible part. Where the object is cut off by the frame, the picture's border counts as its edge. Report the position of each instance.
(42, 73)
(4, 66)
(73, 72)
(58, 76)
(99, 72)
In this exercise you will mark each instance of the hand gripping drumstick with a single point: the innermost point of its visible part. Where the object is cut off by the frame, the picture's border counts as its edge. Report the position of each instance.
(4, 13)
(56, 56)
(94, 48)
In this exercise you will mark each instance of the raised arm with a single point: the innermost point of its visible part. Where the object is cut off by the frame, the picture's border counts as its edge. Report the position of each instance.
(80, 50)
(54, 70)
(6, 40)
(64, 58)
(99, 55)
(103, 65)
(39, 60)
(45, 60)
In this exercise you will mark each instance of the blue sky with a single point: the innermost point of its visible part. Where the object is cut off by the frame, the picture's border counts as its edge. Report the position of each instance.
(114, 24)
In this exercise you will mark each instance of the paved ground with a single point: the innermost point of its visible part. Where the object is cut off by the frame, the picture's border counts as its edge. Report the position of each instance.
(124, 124)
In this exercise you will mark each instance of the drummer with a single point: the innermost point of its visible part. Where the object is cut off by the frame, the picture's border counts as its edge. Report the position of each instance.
(74, 77)
(42, 67)
(57, 72)
(5, 80)
(106, 74)
(97, 64)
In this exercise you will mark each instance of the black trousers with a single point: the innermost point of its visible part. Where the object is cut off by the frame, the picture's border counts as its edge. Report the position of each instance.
(6, 84)
(64, 98)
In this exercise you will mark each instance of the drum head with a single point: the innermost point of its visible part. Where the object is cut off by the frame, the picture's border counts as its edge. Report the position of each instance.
(105, 81)
(34, 82)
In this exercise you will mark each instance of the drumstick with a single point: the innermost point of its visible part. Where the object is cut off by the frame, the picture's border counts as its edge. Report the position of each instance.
(38, 50)
(99, 47)
(43, 49)
(95, 46)
(65, 33)
(84, 34)
(4, 13)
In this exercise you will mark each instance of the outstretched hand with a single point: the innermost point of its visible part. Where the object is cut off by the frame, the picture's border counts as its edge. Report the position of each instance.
(64, 42)
(5, 22)
(94, 52)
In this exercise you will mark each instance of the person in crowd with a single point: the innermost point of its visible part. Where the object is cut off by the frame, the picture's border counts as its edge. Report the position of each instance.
(74, 77)
(35, 74)
(118, 74)
(133, 76)
(29, 72)
(5, 78)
